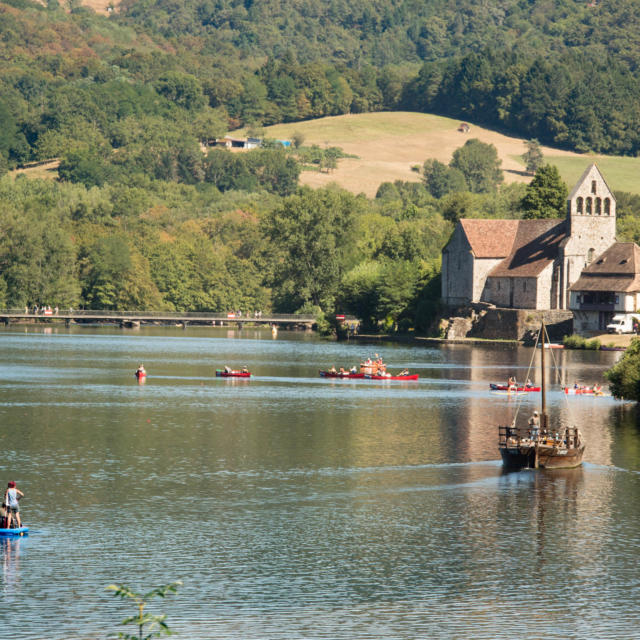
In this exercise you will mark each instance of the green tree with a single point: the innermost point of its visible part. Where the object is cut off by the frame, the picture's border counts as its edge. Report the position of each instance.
(624, 376)
(298, 139)
(439, 179)
(359, 291)
(533, 157)
(315, 234)
(37, 259)
(546, 195)
(479, 164)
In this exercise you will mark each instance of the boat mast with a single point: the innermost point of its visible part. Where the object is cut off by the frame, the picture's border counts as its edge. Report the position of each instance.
(543, 408)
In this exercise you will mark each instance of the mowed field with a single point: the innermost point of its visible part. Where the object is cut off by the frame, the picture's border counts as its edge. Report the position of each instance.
(388, 144)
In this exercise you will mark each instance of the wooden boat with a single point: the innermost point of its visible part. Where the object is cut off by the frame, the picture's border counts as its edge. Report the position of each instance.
(370, 376)
(341, 374)
(221, 373)
(15, 531)
(505, 387)
(548, 446)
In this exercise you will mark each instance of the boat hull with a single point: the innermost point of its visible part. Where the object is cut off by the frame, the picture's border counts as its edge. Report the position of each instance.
(414, 376)
(232, 374)
(17, 531)
(505, 387)
(549, 457)
(337, 374)
(582, 392)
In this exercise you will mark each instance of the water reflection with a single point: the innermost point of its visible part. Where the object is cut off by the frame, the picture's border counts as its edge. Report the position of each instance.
(312, 508)
(10, 548)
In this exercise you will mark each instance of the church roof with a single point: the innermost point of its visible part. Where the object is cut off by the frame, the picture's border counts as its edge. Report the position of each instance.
(583, 178)
(490, 238)
(617, 269)
(535, 246)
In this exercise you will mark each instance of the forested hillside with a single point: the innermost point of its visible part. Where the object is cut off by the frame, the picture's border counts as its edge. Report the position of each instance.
(566, 72)
(146, 214)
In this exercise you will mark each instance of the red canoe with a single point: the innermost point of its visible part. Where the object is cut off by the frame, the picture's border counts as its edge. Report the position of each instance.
(505, 387)
(413, 376)
(337, 374)
(582, 392)
(232, 374)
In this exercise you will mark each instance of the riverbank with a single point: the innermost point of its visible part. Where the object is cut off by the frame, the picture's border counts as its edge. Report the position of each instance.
(411, 339)
(606, 340)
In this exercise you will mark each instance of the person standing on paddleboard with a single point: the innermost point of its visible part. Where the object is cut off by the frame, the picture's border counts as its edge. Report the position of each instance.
(11, 497)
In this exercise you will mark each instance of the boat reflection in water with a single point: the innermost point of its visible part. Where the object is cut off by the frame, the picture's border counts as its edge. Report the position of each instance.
(544, 444)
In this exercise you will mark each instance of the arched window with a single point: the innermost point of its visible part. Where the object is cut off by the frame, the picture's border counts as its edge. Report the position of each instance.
(598, 206)
(579, 205)
(607, 207)
(590, 255)
(589, 206)
(593, 186)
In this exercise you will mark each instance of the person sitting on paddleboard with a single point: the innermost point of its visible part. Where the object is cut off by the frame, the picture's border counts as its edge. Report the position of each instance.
(529, 383)
(11, 497)
(404, 372)
(353, 369)
(245, 369)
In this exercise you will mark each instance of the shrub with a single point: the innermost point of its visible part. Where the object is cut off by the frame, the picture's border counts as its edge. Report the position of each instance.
(574, 341)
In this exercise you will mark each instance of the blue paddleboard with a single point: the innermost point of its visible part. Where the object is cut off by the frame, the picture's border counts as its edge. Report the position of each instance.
(18, 531)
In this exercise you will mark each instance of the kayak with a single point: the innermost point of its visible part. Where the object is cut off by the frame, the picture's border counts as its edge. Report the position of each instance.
(413, 376)
(17, 531)
(505, 387)
(232, 374)
(338, 374)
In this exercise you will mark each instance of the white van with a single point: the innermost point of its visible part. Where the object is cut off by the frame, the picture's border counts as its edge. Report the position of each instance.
(622, 323)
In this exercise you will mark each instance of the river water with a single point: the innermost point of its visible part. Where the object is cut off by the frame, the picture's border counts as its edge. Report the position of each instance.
(298, 507)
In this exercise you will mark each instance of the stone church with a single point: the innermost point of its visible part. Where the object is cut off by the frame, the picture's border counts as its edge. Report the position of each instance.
(530, 264)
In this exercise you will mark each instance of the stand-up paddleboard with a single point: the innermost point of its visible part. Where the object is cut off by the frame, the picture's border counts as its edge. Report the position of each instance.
(17, 531)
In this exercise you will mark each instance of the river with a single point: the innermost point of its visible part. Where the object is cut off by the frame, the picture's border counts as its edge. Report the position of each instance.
(298, 507)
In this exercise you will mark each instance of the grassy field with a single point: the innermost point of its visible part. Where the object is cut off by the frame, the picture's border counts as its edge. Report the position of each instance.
(388, 144)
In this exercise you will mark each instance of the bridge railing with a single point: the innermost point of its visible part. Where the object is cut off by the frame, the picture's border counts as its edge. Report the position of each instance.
(109, 313)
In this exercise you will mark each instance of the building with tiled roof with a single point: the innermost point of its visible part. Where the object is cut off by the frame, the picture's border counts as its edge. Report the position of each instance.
(609, 285)
(530, 264)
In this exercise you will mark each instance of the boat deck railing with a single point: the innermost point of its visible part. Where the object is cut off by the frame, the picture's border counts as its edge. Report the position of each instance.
(510, 435)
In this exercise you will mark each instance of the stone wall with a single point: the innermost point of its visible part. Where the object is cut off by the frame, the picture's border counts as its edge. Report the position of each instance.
(491, 323)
